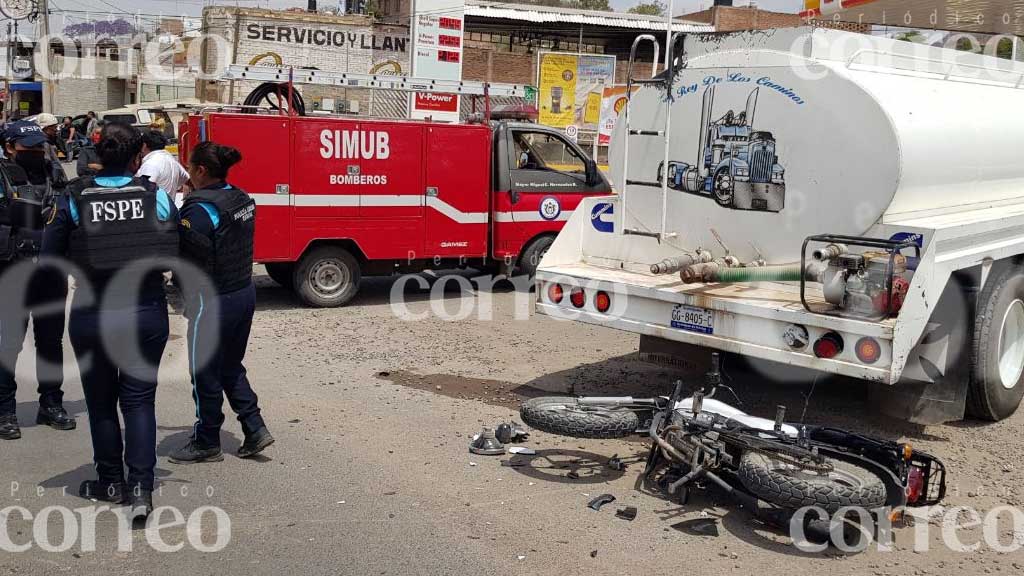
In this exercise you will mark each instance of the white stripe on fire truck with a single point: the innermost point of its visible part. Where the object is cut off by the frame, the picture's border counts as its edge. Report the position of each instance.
(531, 216)
(370, 201)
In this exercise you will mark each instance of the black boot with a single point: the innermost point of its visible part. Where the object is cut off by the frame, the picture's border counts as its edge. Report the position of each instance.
(9, 429)
(255, 443)
(140, 504)
(55, 417)
(194, 453)
(102, 491)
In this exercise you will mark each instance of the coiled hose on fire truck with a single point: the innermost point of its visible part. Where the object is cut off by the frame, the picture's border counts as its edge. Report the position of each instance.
(275, 94)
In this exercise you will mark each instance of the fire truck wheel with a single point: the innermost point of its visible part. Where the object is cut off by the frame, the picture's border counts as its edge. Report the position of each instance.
(533, 254)
(327, 277)
(997, 353)
(283, 273)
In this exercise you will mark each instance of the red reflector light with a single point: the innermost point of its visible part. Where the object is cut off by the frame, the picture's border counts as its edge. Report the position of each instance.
(602, 301)
(555, 293)
(915, 484)
(829, 346)
(868, 350)
(577, 297)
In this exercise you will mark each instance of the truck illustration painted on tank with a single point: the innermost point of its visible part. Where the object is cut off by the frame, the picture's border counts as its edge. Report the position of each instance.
(736, 165)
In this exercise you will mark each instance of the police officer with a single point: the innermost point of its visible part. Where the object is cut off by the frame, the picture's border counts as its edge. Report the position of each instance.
(27, 180)
(217, 225)
(112, 227)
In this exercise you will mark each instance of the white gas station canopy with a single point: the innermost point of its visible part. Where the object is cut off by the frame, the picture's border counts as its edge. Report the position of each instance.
(983, 16)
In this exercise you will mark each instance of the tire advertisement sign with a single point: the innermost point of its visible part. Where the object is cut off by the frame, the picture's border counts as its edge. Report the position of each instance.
(567, 82)
(613, 101)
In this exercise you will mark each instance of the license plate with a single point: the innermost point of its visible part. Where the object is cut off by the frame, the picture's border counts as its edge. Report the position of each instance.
(693, 319)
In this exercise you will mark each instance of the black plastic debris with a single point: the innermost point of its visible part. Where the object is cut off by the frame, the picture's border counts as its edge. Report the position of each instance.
(593, 553)
(486, 444)
(698, 527)
(508, 432)
(627, 513)
(601, 500)
(573, 475)
(616, 463)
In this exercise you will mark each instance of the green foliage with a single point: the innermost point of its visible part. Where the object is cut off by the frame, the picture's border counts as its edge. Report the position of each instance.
(653, 8)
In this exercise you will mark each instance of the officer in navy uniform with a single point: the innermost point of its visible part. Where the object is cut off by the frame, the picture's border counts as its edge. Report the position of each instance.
(113, 227)
(217, 226)
(29, 186)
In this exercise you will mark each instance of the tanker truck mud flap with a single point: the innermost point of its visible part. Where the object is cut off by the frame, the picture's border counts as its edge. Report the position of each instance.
(933, 385)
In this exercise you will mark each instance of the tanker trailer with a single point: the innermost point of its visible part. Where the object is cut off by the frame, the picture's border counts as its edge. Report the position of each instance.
(868, 223)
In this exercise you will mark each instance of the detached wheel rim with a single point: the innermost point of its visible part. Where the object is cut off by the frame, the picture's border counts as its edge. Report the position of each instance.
(1011, 345)
(328, 278)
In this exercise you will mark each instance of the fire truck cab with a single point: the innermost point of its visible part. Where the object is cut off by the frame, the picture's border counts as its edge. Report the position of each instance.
(339, 198)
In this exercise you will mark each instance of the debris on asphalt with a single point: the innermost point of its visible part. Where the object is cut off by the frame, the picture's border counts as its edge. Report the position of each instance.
(601, 500)
(698, 527)
(295, 421)
(486, 444)
(472, 463)
(522, 450)
(513, 463)
(616, 463)
(627, 513)
(508, 432)
(573, 476)
(593, 553)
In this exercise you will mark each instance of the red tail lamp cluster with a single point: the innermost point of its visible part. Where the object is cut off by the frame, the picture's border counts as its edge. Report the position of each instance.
(578, 297)
(829, 346)
(868, 350)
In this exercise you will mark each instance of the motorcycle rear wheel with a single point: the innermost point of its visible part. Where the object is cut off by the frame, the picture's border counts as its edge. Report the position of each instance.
(784, 484)
(566, 417)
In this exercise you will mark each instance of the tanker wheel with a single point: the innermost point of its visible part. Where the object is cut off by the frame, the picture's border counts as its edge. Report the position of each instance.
(723, 188)
(282, 272)
(327, 277)
(997, 351)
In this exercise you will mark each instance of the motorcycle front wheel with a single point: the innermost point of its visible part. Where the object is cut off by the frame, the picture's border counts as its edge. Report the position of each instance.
(785, 484)
(567, 417)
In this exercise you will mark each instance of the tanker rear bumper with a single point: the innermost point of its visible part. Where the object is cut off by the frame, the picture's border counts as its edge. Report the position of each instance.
(746, 319)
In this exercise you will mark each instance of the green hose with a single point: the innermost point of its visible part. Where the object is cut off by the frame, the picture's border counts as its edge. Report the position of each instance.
(787, 273)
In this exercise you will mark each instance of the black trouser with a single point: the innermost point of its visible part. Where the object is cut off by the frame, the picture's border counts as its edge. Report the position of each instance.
(45, 300)
(216, 350)
(119, 353)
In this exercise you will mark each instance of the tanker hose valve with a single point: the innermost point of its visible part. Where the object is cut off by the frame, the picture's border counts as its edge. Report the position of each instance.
(670, 265)
(830, 251)
(704, 256)
(699, 273)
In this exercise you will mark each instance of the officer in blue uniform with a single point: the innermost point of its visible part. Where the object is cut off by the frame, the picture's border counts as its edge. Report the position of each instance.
(118, 231)
(217, 223)
(29, 190)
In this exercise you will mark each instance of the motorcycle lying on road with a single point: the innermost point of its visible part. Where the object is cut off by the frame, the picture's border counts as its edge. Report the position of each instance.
(771, 468)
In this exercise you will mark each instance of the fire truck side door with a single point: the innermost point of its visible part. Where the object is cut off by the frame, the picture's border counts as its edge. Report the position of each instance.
(549, 178)
(458, 177)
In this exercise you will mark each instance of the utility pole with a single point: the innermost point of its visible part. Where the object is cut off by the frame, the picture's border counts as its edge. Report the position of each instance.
(44, 29)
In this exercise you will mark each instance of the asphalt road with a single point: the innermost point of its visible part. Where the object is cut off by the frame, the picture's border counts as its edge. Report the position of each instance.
(371, 472)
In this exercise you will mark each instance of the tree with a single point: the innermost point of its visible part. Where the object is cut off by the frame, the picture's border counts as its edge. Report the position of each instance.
(592, 5)
(653, 8)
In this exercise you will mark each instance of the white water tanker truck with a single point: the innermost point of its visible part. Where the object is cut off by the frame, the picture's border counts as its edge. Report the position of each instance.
(869, 222)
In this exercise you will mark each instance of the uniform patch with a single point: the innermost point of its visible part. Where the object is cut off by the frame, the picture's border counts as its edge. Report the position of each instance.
(185, 223)
(53, 215)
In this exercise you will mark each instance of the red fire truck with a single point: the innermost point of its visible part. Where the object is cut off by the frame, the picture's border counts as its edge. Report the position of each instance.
(339, 198)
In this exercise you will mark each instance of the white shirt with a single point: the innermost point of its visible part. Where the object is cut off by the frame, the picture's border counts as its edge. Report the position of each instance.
(164, 170)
